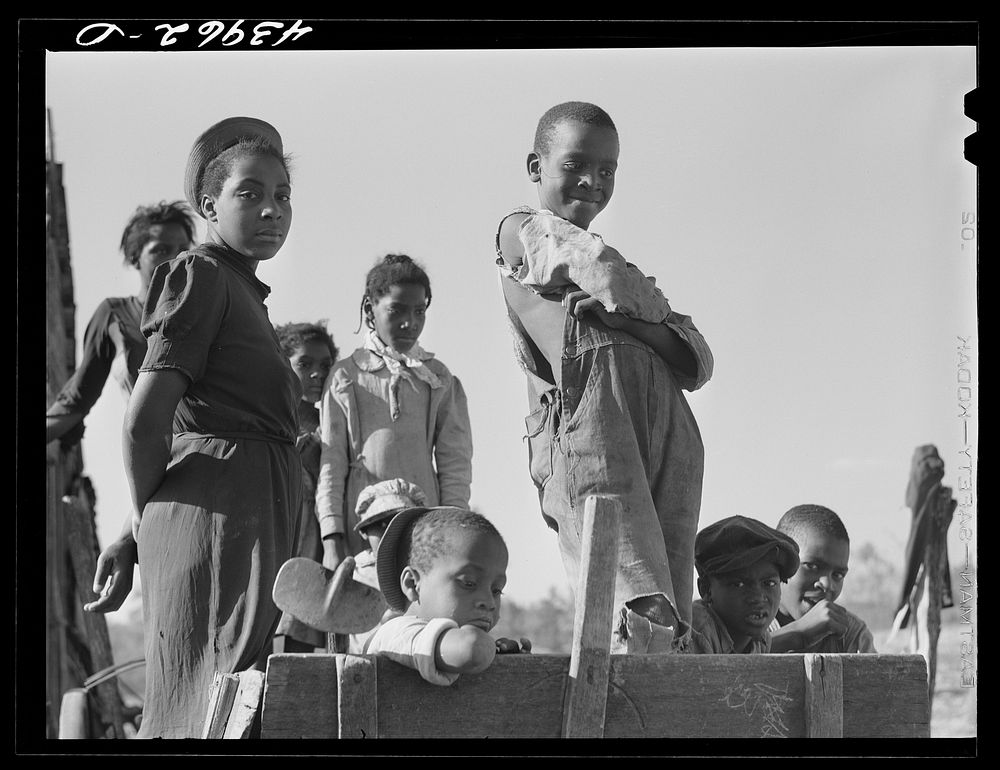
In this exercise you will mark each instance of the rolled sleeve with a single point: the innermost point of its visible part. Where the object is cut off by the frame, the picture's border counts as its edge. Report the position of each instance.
(685, 329)
(413, 643)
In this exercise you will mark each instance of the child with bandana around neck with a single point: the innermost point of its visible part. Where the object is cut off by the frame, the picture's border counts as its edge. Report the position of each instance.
(390, 410)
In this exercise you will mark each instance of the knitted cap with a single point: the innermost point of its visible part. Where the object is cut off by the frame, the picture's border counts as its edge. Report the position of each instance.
(381, 501)
(389, 561)
(214, 140)
(737, 542)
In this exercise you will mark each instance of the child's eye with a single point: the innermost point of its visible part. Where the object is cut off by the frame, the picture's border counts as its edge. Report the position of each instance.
(573, 165)
(770, 582)
(608, 172)
(284, 196)
(497, 592)
(808, 565)
(838, 576)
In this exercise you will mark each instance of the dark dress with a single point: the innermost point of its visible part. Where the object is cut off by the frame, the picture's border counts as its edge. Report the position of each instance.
(112, 344)
(225, 516)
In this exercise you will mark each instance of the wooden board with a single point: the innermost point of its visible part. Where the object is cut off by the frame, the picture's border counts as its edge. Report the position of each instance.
(649, 696)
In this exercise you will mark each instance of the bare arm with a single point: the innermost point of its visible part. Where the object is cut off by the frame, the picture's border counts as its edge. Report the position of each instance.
(660, 337)
(824, 619)
(57, 425)
(464, 650)
(147, 434)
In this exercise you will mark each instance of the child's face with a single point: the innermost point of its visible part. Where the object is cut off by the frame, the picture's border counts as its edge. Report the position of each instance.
(747, 600)
(311, 363)
(576, 176)
(253, 212)
(822, 569)
(373, 533)
(165, 242)
(466, 583)
(399, 315)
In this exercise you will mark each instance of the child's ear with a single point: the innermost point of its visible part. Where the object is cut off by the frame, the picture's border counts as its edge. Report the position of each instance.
(409, 583)
(705, 589)
(208, 208)
(534, 164)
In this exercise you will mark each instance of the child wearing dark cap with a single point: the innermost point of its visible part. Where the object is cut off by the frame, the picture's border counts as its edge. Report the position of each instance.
(741, 564)
(809, 618)
(445, 568)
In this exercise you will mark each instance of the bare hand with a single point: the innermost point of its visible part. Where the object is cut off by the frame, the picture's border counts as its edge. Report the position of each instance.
(579, 302)
(824, 619)
(510, 647)
(113, 576)
(334, 551)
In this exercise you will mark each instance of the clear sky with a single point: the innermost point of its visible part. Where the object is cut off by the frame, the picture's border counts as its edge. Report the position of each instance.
(804, 205)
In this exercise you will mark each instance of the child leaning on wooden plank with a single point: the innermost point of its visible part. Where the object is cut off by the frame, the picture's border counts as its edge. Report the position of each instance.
(445, 568)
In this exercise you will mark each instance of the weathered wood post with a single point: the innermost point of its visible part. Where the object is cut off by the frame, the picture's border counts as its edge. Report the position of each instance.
(590, 658)
(936, 562)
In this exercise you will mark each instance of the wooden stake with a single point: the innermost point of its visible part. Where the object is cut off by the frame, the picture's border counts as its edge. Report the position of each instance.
(824, 696)
(590, 659)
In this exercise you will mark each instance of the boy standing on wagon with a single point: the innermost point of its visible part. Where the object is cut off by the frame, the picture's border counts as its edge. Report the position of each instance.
(606, 359)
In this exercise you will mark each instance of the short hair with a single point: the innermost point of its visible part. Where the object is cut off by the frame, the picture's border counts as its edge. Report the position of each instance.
(584, 112)
(293, 336)
(221, 166)
(812, 518)
(431, 535)
(390, 270)
(136, 235)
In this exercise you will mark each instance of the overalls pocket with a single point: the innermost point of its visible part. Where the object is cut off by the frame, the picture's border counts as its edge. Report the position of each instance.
(539, 438)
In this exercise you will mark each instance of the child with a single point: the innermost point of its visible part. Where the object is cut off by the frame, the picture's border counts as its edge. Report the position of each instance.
(311, 352)
(445, 568)
(377, 505)
(113, 343)
(209, 437)
(606, 360)
(390, 410)
(741, 564)
(809, 619)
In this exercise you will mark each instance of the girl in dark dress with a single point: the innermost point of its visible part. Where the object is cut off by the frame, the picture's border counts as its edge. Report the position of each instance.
(209, 438)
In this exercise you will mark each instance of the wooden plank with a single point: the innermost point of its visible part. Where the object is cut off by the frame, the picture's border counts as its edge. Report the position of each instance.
(824, 696)
(649, 696)
(300, 696)
(517, 696)
(587, 686)
(357, 697)
(246, 705)
(220, 704)
(710, 696)
(74, 715)
(885, 696)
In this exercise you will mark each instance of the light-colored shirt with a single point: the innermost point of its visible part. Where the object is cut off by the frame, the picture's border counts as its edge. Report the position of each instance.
(413, 641)
(428, 444)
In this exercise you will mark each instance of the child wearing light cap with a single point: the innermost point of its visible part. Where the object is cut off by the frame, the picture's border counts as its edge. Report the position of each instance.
(741, 564)
(377, 505)
(444, 568)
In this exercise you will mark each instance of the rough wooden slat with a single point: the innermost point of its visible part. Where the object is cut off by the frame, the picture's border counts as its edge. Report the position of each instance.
(710, 696)
(885, 696)
(649, 696)
(74, 715)
(357, 697)
(517, 696)
(824, 696)
(587, 686)
(246, 705)
(300, 696)
(220, 704)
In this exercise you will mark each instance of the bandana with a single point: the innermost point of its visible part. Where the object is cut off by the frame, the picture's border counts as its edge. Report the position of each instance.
(402, 366)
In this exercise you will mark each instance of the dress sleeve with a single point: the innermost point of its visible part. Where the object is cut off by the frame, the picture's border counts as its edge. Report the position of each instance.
(453, 447)
(334, 460)
(185, 307)
(558, 254)
(83, 388)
